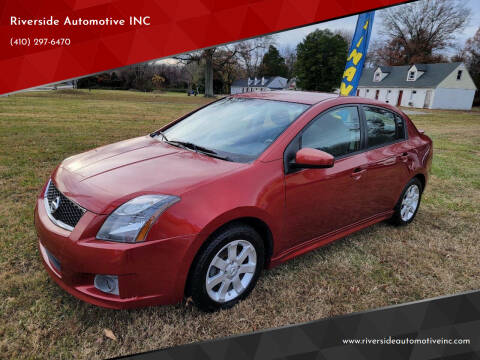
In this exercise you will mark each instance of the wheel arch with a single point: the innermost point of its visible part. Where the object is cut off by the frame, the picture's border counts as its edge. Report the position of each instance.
(257, 223)
(423, 180)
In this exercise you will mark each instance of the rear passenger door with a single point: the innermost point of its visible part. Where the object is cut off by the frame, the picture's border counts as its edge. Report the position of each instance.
(387, 156)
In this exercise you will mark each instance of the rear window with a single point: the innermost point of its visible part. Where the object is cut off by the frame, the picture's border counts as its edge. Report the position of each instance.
(383, 126)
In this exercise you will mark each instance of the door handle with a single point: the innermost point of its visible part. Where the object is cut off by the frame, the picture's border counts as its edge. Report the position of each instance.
(357, 172)
(404, 156)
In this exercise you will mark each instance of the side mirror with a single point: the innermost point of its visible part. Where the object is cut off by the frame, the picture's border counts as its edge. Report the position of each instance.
(313, 159)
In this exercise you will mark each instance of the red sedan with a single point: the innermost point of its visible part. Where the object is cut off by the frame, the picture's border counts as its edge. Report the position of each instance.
(201, 206)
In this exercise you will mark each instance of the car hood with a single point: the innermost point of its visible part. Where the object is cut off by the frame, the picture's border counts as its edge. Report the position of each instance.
(104, 178)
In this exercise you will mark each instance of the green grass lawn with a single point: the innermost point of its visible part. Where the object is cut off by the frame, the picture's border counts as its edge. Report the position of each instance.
(382, 265)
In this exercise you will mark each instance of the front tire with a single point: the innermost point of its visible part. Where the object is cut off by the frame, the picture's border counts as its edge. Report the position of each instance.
(227, 269)
(408, 204)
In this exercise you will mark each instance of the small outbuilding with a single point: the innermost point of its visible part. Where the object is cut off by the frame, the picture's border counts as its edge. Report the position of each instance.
(430, 86)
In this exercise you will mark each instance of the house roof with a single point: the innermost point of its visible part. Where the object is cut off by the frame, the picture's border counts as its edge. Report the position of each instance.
(433, 75)
(421, 67)
(272, 82)
(386, 69)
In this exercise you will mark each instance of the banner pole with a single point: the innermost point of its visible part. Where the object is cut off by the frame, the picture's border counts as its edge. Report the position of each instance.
(357, 54)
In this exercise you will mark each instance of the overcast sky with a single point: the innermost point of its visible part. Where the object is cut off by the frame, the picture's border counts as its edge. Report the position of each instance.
(293, 37)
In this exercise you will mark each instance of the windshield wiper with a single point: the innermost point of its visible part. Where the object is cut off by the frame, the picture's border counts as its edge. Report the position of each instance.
(191, 146)
(198, 148)
(159, 132)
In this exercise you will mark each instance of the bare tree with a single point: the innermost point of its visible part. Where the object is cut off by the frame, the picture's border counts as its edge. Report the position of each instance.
(211, 57)
(227, 66)
(250, 53)
(192, 60)
(247, 53)
(208, 57)
(190, 72)
(472, 50)
(460, 55)
(416, 32)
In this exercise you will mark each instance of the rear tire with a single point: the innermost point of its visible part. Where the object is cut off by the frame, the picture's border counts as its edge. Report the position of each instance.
(408, 204)
(227, 269)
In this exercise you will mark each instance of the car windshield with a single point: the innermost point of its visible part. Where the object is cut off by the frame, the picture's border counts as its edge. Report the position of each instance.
(238, 129)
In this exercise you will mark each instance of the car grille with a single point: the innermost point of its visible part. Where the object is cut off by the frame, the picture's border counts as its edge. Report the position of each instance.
(61, 210)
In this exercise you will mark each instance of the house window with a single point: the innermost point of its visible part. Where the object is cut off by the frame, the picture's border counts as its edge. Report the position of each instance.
(377, 76)
(414, 91)
(459, 74)
(368, 90)
(411, 75)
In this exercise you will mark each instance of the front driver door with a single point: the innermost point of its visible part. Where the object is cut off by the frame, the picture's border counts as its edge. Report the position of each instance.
(321, 201)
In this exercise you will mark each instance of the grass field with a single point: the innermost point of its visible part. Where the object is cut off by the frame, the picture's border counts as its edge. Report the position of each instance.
(436, 255)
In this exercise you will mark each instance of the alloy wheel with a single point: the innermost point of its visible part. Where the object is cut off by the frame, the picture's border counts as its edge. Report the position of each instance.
(231, 271)
(410, 202)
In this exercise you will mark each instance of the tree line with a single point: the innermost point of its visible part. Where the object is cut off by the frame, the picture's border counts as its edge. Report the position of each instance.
(420, 32)
(317, 63)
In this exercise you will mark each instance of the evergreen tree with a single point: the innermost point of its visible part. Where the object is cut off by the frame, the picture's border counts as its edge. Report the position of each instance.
(273, 64)
(321, 59)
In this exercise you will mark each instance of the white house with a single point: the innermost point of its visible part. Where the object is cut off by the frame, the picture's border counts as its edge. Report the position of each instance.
(264, 84)
(430, 86)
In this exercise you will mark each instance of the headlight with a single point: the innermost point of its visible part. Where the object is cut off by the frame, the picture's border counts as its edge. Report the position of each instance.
(131, 222)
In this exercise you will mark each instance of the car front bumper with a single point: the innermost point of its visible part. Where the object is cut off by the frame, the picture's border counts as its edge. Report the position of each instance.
(149, 273)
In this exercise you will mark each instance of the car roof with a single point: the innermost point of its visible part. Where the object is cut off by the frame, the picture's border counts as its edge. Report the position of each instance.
(301, 97)
(312, 98)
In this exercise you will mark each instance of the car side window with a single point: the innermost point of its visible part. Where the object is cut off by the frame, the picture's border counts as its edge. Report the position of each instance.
(383, 126)
(336, 132)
